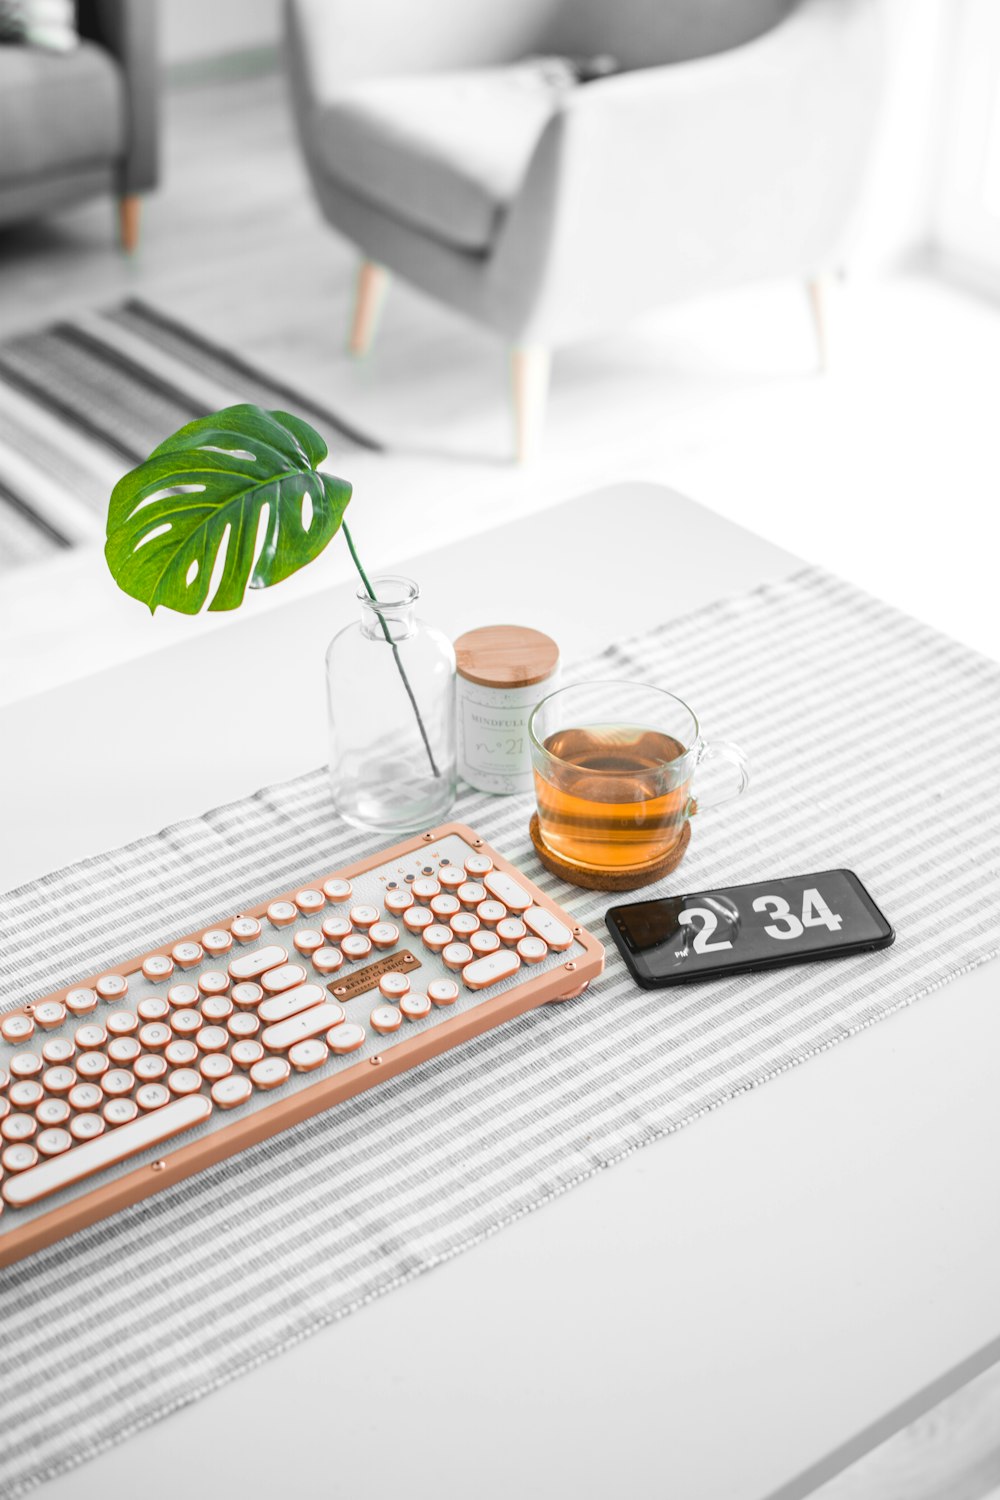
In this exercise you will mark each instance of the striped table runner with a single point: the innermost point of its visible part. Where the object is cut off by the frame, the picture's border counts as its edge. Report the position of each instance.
(874, 743)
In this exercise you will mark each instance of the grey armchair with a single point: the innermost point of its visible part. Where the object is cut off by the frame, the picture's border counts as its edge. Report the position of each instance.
(730, 147)
(75, 124)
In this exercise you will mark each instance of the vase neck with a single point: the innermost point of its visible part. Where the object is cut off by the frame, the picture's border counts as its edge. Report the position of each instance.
(391, 613)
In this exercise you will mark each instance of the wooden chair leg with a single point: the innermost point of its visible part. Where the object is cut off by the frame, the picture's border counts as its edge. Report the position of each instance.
(530, 369)
(372, 283)
(817, 291)
(129, 212)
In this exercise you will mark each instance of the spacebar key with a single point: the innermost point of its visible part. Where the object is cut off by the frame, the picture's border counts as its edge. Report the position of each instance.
(106, 1151)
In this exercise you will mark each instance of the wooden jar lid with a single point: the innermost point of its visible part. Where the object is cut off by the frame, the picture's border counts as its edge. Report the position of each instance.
(506, 656)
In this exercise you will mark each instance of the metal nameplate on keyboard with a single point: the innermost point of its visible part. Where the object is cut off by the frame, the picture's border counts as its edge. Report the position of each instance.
(363, 980)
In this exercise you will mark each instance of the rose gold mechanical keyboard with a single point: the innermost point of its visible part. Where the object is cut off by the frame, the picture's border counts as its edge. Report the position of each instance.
(128, 1081)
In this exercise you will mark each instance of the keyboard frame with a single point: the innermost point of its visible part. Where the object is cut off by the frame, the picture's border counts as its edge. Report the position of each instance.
(563, 982)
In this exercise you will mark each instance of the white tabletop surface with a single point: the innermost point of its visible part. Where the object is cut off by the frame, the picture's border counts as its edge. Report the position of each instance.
(736, 1311)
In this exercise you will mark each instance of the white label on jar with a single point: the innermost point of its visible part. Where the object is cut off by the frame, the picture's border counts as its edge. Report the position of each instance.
(493, 734)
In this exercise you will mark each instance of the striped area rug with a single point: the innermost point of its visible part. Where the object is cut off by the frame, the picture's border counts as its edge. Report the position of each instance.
(85, 399)
(839, 701)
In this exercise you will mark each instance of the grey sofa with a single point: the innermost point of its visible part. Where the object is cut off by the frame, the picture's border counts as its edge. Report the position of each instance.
(75, 124)
(729, 147)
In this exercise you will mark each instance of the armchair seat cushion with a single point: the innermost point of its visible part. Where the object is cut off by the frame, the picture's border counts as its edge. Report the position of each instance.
(445, 153)
(58, 110)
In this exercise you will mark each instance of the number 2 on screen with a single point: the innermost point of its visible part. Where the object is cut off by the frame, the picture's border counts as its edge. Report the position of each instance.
(703, 933)
(815, 913)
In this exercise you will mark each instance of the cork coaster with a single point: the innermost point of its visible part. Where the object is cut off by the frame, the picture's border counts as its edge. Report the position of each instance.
(622, 879)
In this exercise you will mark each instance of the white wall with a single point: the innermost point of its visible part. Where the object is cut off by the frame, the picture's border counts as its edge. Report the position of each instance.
(193, 29)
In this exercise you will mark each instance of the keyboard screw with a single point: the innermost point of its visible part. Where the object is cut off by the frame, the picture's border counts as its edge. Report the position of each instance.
(159, 1166)
(375, 1061)
(428, 837)
(570, 966)
(29, 1010)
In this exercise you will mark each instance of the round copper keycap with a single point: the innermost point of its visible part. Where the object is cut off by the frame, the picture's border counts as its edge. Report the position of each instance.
(415, 1007)
(187, 955)
(247, 995)
(152, 1096)
(121, 1023)
(445, 906)
(183, 996)
(25, 1093)
(216, 942)
(149, 1068)
(484, 941)
(19, 1158)
(245, 929)
(478, 865)
(156, 1034)
(25, 1065)
(117, 1082)
(336, 928)
(186, 1022)
(182, 1053)
(456, 955)
(243, 1024)
(386, 1018)
(425, 887)
(346, 1038)
(471, 893)
(464, 924)
(308, 1055)
(53, 1142)
(18, 1127)
(393, 986)
(213, 982)
(52, 1112)
(356, 946)
(88, 1038)
(4, 1108)
(338, 890)
(270, 1072)
(56, 1049)
(217, 1008)
(228, 1092)
(86, 1127)
(184, 1081)
(58, 1080)
(327, 960)
(308, 939)
(216, 1065)
(443, 991)
(80, 1002)
(157, 967)
(17, 1028)
(212, 1039)
(491, 912)
(111, 986)
(123, 1051)
(92, 1065)
(245, 1053)
(48, 1014)
(510, 931)
(417, 918)
(86, 1096)
(451, 877)
(384, 934)
(437, 936)
(309, 901)
(281, 913)
(120, 1111)
(152, 1009)
(398, 901)
(532, 950)
(364, 915)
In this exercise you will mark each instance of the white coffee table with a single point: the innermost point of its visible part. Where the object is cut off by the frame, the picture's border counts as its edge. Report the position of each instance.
(737, 1311)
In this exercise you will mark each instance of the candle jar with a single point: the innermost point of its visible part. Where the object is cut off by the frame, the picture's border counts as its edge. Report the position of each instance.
(391, 698)
(503, 671)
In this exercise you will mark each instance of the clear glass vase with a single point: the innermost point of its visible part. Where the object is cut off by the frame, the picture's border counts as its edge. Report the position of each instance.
(391, 697)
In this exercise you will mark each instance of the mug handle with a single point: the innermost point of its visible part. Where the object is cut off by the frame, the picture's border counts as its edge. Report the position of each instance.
(732, 754)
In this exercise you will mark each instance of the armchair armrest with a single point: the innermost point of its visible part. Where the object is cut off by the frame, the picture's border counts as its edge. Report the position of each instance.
(128, 29)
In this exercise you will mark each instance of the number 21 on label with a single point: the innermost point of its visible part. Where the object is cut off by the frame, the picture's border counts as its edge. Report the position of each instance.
(815, 913)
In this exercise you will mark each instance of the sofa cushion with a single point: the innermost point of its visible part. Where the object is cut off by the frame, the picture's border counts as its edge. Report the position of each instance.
(444, 152)
(58, 110)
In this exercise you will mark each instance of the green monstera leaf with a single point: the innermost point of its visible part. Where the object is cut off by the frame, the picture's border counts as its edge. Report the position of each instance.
(205, 490)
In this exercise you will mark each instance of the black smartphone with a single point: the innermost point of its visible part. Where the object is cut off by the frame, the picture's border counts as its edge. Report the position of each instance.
(738, 929)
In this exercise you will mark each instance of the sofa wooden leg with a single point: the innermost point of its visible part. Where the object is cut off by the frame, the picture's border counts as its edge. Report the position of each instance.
(129, 212)
(530, 368)
(817, 291)
(373, 281)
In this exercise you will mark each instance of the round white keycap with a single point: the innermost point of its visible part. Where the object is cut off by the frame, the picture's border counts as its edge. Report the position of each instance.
(356, 946)
(364, 916)
(25, 1093)
(337, 928)
(213, 982)
(49, 1013)
(92, 1065)
(308, 940)
(484, 941)
(117, 1082)
(425, 887)
(451, 877)
(510, 931)
(393, 985)
(478, 865)
(307, 1055)
(243, 1024)
(111, 986)
(183, 995)
(53, 1142)
(443, 991)
(158, 966)
(418, 917)
(25, 1065)
(491, 912)
(86, 1127)
(457, 955)
(19, 1158)
(310, 901)
(86, 1096)
(245, 929)
(445, 906)
(90, 1036)
(57, 1080)
(156, 1034)
(186, 1022)
(123, 1051)
(152, 1009)
(415, 1007)
(346, 1038)
(215, 1066)
(212, 1039)
(281, 913)
(464, 923)
(18, 1127)
(17, 1028)
(338, 890)
(284, 977)
(121, 1023)
(228, 1092)
(216, 942)
(52, 1112)
(182, 1053)
(437, 936)
(471, 893)
(247, 995)
(270, 1072)
(152, 1096)
(217, 1008)
(246, 1053)
(120, 1111)
(398, 901)
(184, 1081)
(384, 934)
(532, 950)
(57, 1049)
(148, 1068)
(327, 960)
(187, 954)
(81, 1002)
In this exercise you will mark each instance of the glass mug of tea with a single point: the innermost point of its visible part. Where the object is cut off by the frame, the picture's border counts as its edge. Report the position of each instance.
(615, 768)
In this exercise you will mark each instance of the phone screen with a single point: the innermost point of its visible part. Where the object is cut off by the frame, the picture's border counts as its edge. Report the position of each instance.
(677, 939)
